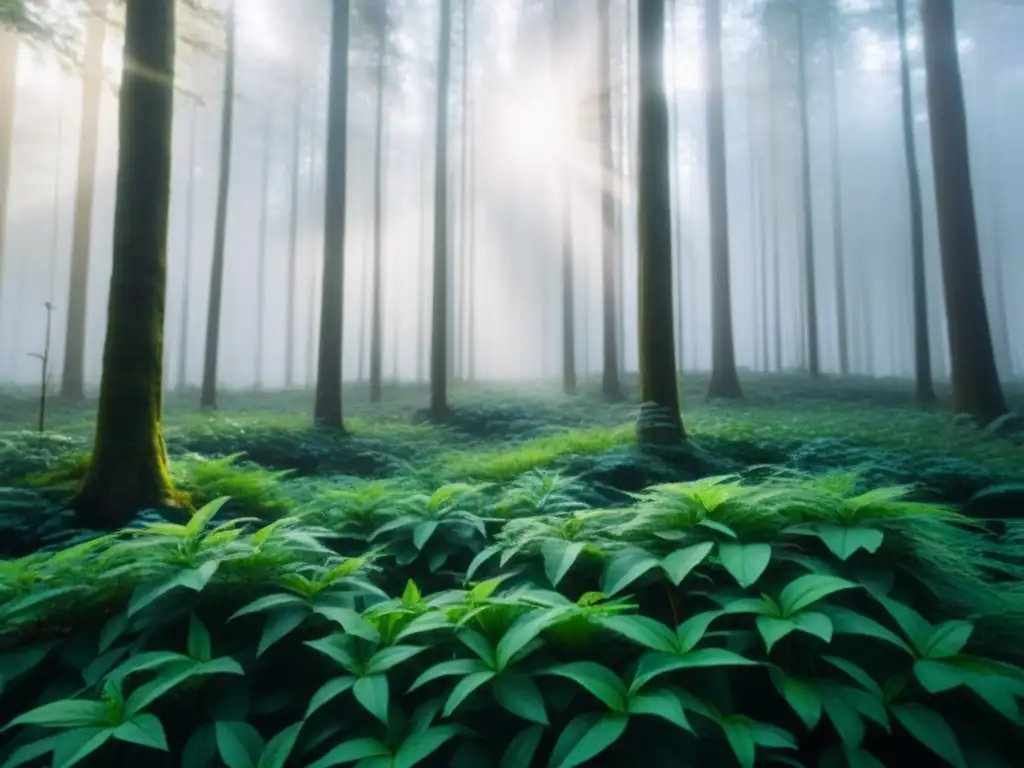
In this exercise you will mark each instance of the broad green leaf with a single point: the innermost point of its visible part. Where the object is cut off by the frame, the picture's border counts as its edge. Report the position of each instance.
(861, 758)
(279, 625)
(801, 695)
(479, 645)
(814, 623)
(372, 693)
(484, 590)
(745, 562)
(72, 747)
(421, 745)
(520, 696)
(388, 658)
(559, 556)
(202, 516)
(624, 568)
(67, 713)
(845, 718)
(585, 737)
(523, 630)
(741, 741)
(480, 559)
(269, 603)
(199, 647)
(770, 736)
(772, 630)
(465, 687)
(654, 664)
(349, 620)
(238, 743)
(458, 667)
(411, 595)
(867, 704)
(337, 647)
(422, 532)
(847, 622)
(844, 541)
(858, 674)
(995, 692)
(144, 729)
(805, 591)
(522, 748)
(32, 751)
(147, 661)
(692, 631)
(643, 630)
(931, 730)
(280, 747)
(678, 565)
(329, 691)
(194, 579)
(714, 525)
(914, 626)
(351, 752)
(428, 622)
(169, 678)
(947, 639)
(599, 680)
(112, 630)
(663, 703)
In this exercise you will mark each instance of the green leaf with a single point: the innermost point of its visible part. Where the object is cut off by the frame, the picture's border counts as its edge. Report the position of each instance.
(931, 730)
(805, 591)
(643, 630)
(34, 750)
(459, 667)
(624, 568)
(559, 557)
(480, 559)
(692, 631)
(745, 562)
(279, 625)
(238, 743)
(741, 740)
(861, 758)
(372, 693)
(71, 747)
(654, 664)
(520, 696)
(844, 541)
(67, 713)
(847, 622)
(947, 639)
(194, 579)
(814, 623)
(422, 532)
(995, 692)
(465, 687)
(678, 565)
(478, 644)
(349, 620)
(845, 718)
(522, 748)
(199, 647)
(421, 745)
(524, 629)
(428, 622)
(917, 630)
(269, 603)
(663, 703)
(329, 691)
(938, 675)
(801, 695)
(388, 658)
(770, 736)
(484, 590)
(352, 751)
(411, 596)
(772, 630)
(280, 747)
(858, 674)
(599, 680)
(202, 516)
(585, 737)
(337, 647)
(112, 630)
(145, 729)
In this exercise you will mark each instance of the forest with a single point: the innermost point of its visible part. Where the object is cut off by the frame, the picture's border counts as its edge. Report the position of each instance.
(513, 383)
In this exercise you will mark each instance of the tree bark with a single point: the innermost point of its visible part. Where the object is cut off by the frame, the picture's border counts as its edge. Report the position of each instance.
(208, 397)
(327, 412)
(128, 470)
(725, 381)
(377, 288)
(73, 378)
(659, 420)
(810, 282)
(976, 388)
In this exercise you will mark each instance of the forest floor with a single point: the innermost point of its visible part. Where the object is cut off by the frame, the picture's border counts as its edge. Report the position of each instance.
(260, 448)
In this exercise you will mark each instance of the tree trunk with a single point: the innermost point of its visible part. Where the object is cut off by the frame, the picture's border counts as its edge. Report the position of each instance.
(9, 45)
(208, 398)
(924, 388)
(842, 320)
(128, 470)
(328, 409)
(725, 381)
(293, 240)
(558, 37)
(261, 267)
(659, 420)
(421, 270)
(976, 388)
(190, 213)
(810, 286)
(677, 200)
(377, 289)
(73, 379)
(440, 320)
(611, 388)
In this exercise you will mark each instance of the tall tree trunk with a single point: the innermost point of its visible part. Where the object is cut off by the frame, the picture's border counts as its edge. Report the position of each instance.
(313, 295)
(9, 45)
(421, 267)
(560, 29)
(377, 289)
(293, 240)
(810, 283)
(842, 320)
(470, 260)
(611, 387)
(208, 398)
(677, 201)
(128, 470)
(328, 409)
(464, 202)
(773, 182)
(1002, 345)
(976, 388)
(659, 420)
(627, 171)
(924, 388)
(725, 381)
(440, 317)
(261, 266)
(190, 215)
(73, 379)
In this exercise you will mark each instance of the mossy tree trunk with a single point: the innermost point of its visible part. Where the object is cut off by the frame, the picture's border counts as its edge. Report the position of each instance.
(810, 321)
(128, 471)
(611, 387)
(73, 376)
(8, 96)
(377, 288)
(725, 381)
(976, 388)
(328, 409)
(659, 420)
(440, 316)
(208, 397)
(924, 389)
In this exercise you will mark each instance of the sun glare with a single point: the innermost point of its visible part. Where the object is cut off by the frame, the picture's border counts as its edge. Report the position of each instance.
(530, 127)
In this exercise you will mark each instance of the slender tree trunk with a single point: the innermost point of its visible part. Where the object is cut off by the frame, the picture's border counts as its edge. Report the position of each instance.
(773, 181)
(261, 268)
(470, 260)
(464, 202)
(293, 240)
(190, 214)
(208, 397)
(9, 45)
(677, 202)
(1000, 322)
(421, 271)
(440, 315)
(559, 35)
(73, 378)
(659, 421)
(810, 282)
(842, 320)
(328, 410)
(976, 388)
(611, 387)
(377, 295)
(627, 171)
(128, 470)
(924, 388)
(725, 381)
(313, 295)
